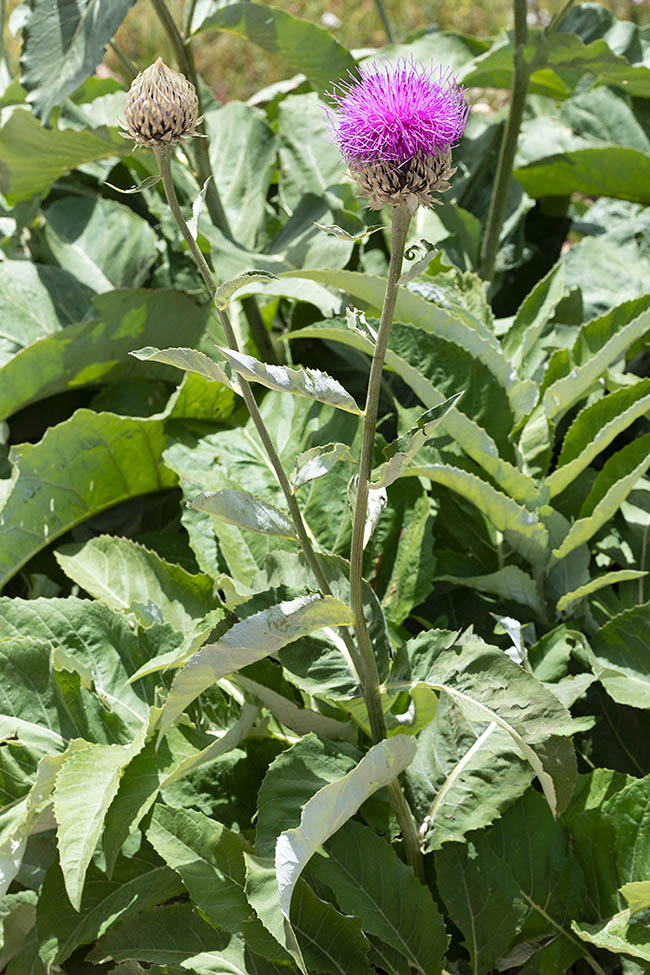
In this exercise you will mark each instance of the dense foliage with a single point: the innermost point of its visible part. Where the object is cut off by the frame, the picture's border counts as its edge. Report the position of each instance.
(188, 776)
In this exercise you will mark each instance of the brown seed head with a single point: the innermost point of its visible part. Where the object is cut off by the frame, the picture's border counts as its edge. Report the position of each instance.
(413, 182)
(160, 108)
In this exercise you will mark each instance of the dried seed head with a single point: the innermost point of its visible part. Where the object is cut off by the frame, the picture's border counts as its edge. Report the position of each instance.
(395, 125)
(412, 183)
(160, 108)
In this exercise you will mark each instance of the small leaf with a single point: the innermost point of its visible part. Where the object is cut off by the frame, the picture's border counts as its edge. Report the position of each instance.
(420, 266)
(607, 579)
(332, 806)
(145, 184)
(342, 234)
(251, 639)
(400, 452)
(311, 383)
(225, 292)
(197, 207)
(244, 510)
(318, 461)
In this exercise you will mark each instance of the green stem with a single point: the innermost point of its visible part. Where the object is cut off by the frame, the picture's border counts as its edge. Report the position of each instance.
(185, 61)
(508, 148)
(557, 18)
(189, 17)
(124, 59)
(370, 676)
(381, 10)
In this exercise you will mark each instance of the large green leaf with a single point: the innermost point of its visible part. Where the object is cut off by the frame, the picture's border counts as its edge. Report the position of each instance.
(251, 639)
(245, 511)
(616, 171)
(594, 428)
(138, 883)
(63, 44)
(332, 806)
(310, 162)
(620, 659)
(89, 351)
(103, 243)
(32, 158)
(301, 45)
(36, 300)
(613, 484)
(82, 466)
(533, 316)
(128, 577)
(190, 360)
(488, 687)
(464, 774)
(371, 882)
(623, 934)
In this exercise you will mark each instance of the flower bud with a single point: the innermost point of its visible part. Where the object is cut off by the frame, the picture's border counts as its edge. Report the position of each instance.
(160, 108)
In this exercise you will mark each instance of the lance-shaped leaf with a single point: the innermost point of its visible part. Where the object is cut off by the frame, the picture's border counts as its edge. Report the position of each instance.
(318, 461)
(332, 806)
(607, 579)
(401, 452)
(488, 687)
(228, 289)
(619, 657)
(190, 360)
(532, 316)
(610, 489)
(311, 383)
(342, 234)
(244, 510)
(251, 639)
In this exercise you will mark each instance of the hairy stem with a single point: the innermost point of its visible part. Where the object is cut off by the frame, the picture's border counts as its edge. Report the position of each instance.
(370, 676)
(508, 148)
(185, 61)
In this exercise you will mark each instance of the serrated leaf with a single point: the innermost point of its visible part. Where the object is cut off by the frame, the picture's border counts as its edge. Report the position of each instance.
(611, 487)
(332, 806)
(81, 467)
(226, 291)
(244, 510)
(311, 383)
(401, 452)
(607, 579)
(619, 657)
(498, 696)
(533, 315)
(63, 45)
(251, 639)
(318, 461)
(371, 882)
(342, 234)
(190, 360)
(620, 934)
(594, 428)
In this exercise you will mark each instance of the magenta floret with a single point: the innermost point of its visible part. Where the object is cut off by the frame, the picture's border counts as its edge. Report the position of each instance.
(394, 112)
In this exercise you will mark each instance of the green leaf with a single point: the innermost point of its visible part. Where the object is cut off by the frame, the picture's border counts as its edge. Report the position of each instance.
(498, 696)
(309, 161)
(128, 577)
(342, 234)
(103, 243)
(246, 511)
(36, 300)
(533, 315)
(637, 895)
(620, 934)
(510, 583)
(522, 528)
(251, 639)
(138, 883)
(464, 774)
(87, 352)
(209, 859)
(81, 467)
(594, 428)
(619, 657)
(311, 383)
(612, 486)
(85, 787)
(243, 149)
(226, 291)
(607, 579)
(32, 158)
(617, 171)
(191, 360)
(332, 806)
(301, 45)
(371, 882)
(401, 452)
(331, 942)
(318, 461)
(63, 45)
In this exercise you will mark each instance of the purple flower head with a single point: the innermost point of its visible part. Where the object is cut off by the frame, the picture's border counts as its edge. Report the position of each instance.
(393, 113)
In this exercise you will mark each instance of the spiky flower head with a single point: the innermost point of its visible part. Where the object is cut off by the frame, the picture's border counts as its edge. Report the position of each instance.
(160, 108)
(395, 125)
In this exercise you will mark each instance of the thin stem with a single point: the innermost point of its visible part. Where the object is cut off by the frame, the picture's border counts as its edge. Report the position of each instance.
(508, 148)
(185, 60)
(557, 18)
(381, 10)
(370, 676)
(189, 17)
(124, 59)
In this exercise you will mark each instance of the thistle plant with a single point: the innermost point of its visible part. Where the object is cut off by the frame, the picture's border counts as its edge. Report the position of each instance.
(395, 127)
